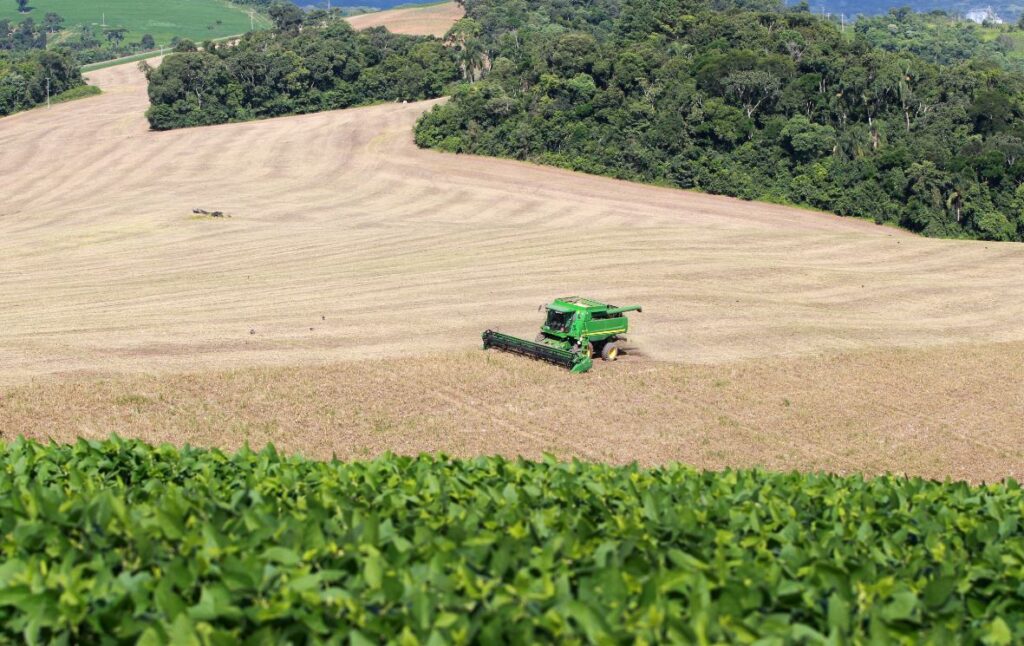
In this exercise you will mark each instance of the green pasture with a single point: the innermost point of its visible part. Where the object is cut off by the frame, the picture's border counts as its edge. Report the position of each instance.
(193, 19)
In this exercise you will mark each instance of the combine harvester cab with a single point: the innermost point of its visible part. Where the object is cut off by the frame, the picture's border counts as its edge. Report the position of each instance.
(575, 328)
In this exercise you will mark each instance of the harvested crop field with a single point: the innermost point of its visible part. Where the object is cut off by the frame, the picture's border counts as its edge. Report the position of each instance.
(339, 307)
(433, 20)
(940, 412)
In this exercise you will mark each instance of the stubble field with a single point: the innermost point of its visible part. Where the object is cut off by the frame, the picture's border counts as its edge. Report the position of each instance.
(339, 307)
(433, 20)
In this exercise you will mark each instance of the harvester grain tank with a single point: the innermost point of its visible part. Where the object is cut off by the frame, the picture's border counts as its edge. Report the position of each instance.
(574, 330)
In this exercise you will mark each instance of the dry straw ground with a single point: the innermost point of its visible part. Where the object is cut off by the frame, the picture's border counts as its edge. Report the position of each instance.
(434, 20)
(941, 412)
(364, 269)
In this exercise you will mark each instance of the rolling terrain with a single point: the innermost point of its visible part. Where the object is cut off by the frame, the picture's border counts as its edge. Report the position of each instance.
(339, 307)
(195, 19)
(1007, 10)
(432, 20)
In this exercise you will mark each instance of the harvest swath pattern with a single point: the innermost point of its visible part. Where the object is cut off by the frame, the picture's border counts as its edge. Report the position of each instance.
(121, 539)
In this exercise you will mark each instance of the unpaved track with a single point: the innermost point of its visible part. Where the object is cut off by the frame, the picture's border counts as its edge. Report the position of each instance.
(347, 242)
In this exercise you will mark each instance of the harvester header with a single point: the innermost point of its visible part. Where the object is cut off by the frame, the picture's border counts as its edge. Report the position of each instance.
(615, 311)
(574, 329)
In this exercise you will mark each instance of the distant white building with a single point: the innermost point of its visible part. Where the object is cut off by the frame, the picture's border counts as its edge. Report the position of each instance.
(984, 15)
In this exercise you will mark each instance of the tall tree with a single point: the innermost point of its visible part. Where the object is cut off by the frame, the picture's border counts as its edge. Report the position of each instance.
(115, 35)
(752, 88)
(464, 37)
(286, 16)
(53, 22)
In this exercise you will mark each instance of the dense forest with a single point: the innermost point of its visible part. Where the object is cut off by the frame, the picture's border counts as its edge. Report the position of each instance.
(748, 99)
(23, 78)
(310, 62)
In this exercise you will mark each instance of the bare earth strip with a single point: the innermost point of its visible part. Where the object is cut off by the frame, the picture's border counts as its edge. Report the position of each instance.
(351, 249)
(946, 412)
(434, 20)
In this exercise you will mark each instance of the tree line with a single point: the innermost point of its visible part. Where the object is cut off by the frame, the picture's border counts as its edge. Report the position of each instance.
(28, 34)
(307, 63)
(741, 98)
(26, 64)
(85, 43)
(939, 37)
(23, 78)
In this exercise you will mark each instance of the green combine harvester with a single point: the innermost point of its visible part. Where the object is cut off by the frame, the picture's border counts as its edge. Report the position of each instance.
(575, 328)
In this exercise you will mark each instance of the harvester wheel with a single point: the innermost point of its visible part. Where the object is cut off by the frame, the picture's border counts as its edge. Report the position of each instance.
(610, 351)
(586, 349)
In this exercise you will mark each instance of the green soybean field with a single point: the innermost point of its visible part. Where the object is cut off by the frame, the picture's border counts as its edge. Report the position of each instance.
(195, 19)
(121, 542)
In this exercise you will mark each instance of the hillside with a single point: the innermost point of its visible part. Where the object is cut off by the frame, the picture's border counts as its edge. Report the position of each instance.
(243, 400)
(433, 20)
(193, 19)
(775, 104)
(771, 335)
(1005, 9)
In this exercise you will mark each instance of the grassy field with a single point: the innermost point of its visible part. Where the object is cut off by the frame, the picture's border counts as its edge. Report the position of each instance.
(1016, 37)
(193, 19)
(73, 94)
(141, 56)
(92, 67)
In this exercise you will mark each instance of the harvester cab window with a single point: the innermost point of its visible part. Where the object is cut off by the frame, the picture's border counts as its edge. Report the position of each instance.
(558, 320)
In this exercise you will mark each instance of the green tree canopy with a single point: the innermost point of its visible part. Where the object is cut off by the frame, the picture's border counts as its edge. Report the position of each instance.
(325, 65)
(754, 100)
